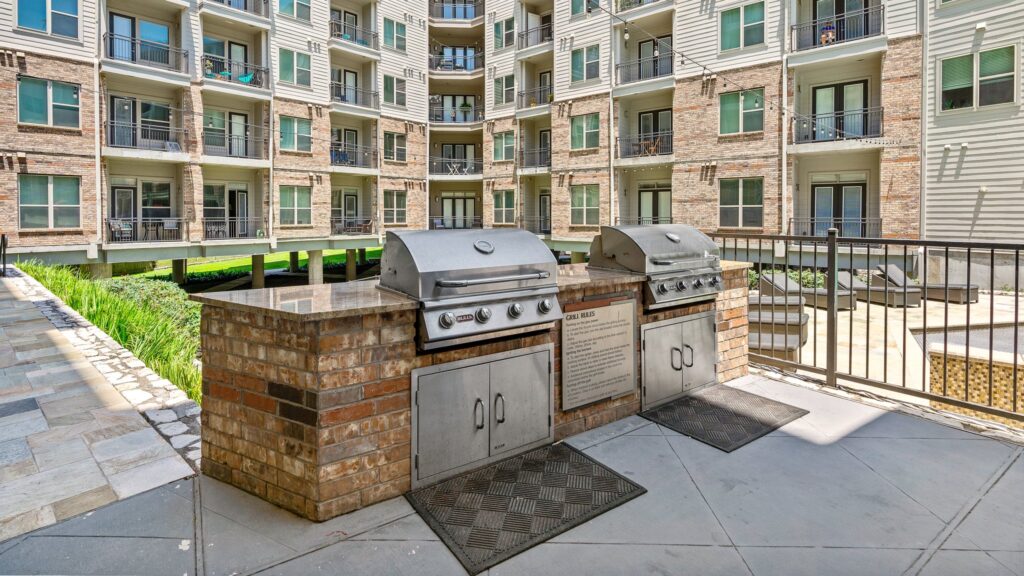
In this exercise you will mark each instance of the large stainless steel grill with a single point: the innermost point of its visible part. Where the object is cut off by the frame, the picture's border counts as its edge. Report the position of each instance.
(682, 264)
(472, 284)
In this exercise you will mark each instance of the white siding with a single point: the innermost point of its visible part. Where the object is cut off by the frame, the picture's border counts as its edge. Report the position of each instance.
(580, 32)
(902, 17)
(697, 25)
(411, 64)
(307, 37)
(500, 62)
(83, 48)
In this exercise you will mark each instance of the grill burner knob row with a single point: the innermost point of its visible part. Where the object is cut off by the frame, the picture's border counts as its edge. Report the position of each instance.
(446, 320)
(483, 315)
(545, 306)
(515, 310)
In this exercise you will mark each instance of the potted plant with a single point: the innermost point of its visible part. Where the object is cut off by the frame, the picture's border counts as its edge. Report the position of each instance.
(467, 109)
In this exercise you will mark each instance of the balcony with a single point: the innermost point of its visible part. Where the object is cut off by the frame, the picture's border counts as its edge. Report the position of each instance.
(354, 35)
(141, 230)
(145, 53)
(252, 12)
(536, 36)
(623, 5)
(242, 73)
(144, 136)
(839, 29)
(848, 227)
(836, 126)
(532, 159)
(353, 156)
(534, 97)
(250, 144)
(456, 10)
(456, 167)
(341, 226)
(456, 115)
(455, 222)
(537, 225)
(352, 96)
(643, 220)
(449, 63)
(233, 228)
(644, 69)
(644, 145)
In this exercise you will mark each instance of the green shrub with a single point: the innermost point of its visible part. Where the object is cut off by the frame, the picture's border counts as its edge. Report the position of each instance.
(158, 295)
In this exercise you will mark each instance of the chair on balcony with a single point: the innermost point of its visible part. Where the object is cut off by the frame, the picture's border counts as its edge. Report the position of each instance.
(121, 231)
(247, 78)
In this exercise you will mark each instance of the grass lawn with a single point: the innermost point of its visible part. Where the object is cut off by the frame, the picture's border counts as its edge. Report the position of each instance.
(241, 266)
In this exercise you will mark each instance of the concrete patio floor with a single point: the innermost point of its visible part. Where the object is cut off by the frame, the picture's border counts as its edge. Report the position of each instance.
(847, 489)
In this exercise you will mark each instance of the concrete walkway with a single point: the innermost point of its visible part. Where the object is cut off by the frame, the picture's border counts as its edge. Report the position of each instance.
(847, 489)
(69, 441)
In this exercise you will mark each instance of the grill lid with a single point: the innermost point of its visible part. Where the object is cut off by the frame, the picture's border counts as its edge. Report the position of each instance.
(653, 249)
(438, 264)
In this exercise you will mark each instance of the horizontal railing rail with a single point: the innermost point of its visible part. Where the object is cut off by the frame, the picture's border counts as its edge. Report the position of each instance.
(456, 10)
(847, 227)
(354, 34)
(643, 220)
(256, 7)
(352, 226)
(251, 143)
(456, 63)
(644, 69)
(538, 158)
(355, 96)
(840, 28)
(219, 68)
(125, 230)
(623, 5)
(145, 52)
(534, 36)
(656, 144)
(456, 114)
(456, 166)
(536, 224)
(539, 96)
(455, 222)
(355, 156)
(844, 125)
(144, 136)
(233, 228)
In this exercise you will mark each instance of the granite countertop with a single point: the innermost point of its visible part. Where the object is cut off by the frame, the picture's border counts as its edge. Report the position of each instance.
(728, 265)
(575, 275)
(309, 303)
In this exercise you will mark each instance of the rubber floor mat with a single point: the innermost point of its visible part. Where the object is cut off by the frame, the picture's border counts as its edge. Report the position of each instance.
(723, 417)
(488, 515)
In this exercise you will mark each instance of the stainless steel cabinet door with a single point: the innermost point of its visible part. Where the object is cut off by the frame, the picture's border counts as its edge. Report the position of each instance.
(520, 401)
(662, 364)
(452, 419)
(699, 352)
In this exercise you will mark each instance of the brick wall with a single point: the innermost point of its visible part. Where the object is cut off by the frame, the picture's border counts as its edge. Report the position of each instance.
(900, 162)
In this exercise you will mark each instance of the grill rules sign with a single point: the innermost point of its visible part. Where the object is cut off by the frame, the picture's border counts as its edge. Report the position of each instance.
(598, 352)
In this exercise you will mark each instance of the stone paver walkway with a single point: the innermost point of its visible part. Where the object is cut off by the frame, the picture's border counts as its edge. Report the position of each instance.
(69, 441)
(849, 489)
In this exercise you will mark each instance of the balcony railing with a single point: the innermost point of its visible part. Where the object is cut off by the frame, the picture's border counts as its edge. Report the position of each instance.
(256, 7)
(839, 28)
(233, 228)
(144, 136)
(537, 225)
(848, 227)
(655, 144)
(846, 125)
(623, 5)
(456, 167)
(456, 63)
(355, 156)
(456, 10)
(539, 158)
(644, 69)
(251, 143)
(151, 54)
(355, 35)
(355, 96)
(220, 68)
(455, 222)
(535, 36)
(342, 226)
(540, 96)
(456, 114)
(643, 220)
(124, 230)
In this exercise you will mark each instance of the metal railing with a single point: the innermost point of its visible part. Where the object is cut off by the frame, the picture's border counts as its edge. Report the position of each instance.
(151, 54)
(3, 254)
(455, 222)
(355, 35)
(356, 156)
(257, 7)
(536, 224)
(845, 125)
(539, 158)
(124, 230)
(456, 166)
(223, 142)
(623, 5)
(342, 226)
(144, 136)
(540, 96)
(655, 144)
(233, 228)
(959, 350)
(456, 114)
(456, 9)
(219, 68)
(456, 63)
(644, 69)
(643, 220)
(839, 28)
(847, 227)
(355, 96)
(534, 36)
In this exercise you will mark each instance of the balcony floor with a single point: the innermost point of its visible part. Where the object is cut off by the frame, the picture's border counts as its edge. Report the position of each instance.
(847, 489)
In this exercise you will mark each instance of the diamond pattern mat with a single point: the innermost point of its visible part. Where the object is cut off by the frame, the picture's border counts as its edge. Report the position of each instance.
(488, 515)
(724, 417)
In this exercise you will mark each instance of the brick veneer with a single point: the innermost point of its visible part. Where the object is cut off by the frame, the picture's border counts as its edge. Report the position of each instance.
(900, 160)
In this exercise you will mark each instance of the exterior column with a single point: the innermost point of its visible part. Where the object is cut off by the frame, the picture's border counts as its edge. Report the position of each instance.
(350, 265)
(315, 265)
(293, 261)
(362, 256)
(257, 271)
(578, 257)
(179, 271)
(97, 271)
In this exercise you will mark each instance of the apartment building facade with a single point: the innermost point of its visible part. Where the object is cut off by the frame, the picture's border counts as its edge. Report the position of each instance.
(182, 128)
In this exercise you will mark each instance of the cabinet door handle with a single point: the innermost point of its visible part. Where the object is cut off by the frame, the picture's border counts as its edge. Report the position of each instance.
(672, 358)
(499, 419)
(479, 421)
(688, 347)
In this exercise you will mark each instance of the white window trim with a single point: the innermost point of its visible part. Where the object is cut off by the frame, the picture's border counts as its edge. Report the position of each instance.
(585, 206)
(49, 23)
(49, 103)
(584, 80)
(585, 132)
(504, 32)
(396, 35)
(49, 203)
(295, 68)
(975, 107)
(394, 156)
(295, 142)
(494, 143)
(588, 9)
(139, 180)
(504, 211)
(293, 14)
(741, 205)
(504, 78)
(394, 211)
(741, 130)
(743, 46)
(395, 92)
(295, 207)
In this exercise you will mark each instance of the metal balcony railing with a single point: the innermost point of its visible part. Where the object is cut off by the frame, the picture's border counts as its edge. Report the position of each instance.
(144, 136)
(456, 114)
(3, 254)
(540, 96)
(655, 144)
(846, 125)
(643, 220)
(456, 63)
(355, 96)
(256, 7)
(355, 35)
(355, 156)
(219, 68)
(347, 226)
(539, 158)
(151, 54)
(839, 28)
(251, 143)
(535, 224)
(535, 36)
(644, 69)
(623, 5)
(125, 230)
(455, 222)
(233, 228)
(456, 166)
(847, 227)
(456, 9)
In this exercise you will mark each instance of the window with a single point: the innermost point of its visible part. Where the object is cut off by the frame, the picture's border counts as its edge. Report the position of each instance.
(394, 206)
(296, 134)
(584, 208)
(58, 17)
(394, 34)
(585, 131)
(294, 67)
(586, 63)
(504, 90)
(504, 146)
(394, 90)
(995, 82)
(742, 27)
(505, 207)
(48, 201)
(740, 203)
(741, 112)
(504, 33)
(47, 102)
(295, 8)
(394, 146)
(581, 6)
(296, 205)
(156, 199)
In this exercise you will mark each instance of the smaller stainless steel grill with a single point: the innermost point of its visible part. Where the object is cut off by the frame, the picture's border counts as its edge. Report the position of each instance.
(682, 264)
(472, 284)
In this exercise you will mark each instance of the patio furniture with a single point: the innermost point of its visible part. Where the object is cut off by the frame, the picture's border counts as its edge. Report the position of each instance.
(955, 293)
(247, 78)
(121, 231)
(779, 284)
(879, 294)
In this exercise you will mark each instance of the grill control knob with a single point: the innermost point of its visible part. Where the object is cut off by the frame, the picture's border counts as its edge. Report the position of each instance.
(515, 310)
(662, 288)
(681, 285)
(545, 306)
(698, 283)
(483, 315)
(715, 280)
(446, 320)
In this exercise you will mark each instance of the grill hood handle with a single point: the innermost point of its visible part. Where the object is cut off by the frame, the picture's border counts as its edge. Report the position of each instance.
(496, 280)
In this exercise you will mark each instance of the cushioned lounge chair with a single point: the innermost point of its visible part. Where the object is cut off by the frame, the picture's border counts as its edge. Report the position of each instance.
(879, 294)
(955, 293)
(778, 284)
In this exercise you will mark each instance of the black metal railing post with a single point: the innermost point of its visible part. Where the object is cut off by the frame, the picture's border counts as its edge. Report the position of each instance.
(831, 334)
(3, 254)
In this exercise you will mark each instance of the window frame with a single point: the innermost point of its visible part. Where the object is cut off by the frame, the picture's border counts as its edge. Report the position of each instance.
(395, 92)
(394, 210)
(296, 134)
(586, 131)
(506, 38)
(398, 152)
(507, 147)
(586, 62)
(49, 202)
(507, 212)
(295, 208)
(741, 205)
(502, 96)
(976, 79)
(586, 7)
(586, 207)
(48, 8)
(395, 35)
(295, 10)
(295, 67)
(742, 113)
(49, 103)
(743, 26)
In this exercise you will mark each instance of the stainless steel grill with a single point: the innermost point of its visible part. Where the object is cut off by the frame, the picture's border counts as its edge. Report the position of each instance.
(682, 264)
(472, 285)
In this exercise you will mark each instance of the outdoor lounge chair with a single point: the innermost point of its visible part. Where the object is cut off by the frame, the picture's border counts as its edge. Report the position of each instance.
(879, 294)
(767, 301)
(955, 293)
(779, 284)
